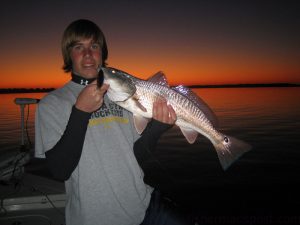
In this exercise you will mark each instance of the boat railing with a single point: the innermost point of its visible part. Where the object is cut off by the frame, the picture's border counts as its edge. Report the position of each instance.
(13, 166)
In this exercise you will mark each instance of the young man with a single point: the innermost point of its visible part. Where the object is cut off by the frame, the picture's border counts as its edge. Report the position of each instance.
(88, 140)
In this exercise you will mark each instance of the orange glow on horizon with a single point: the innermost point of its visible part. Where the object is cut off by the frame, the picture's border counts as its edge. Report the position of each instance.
(42, 72)
(56, 77)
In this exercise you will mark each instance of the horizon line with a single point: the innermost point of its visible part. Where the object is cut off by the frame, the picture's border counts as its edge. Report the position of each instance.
(34, 90)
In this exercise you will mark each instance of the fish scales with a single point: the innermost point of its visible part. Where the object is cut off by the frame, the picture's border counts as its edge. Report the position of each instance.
(185, 109)
(188, 115)
(193, 114)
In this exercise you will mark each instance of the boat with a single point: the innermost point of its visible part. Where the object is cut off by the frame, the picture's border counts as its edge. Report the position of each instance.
(28, 193)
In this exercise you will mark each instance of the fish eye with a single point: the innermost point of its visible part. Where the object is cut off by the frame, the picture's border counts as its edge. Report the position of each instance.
(226, 139)
(113, 71)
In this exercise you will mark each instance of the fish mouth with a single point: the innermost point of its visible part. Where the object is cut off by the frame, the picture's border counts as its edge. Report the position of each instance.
(121, 87)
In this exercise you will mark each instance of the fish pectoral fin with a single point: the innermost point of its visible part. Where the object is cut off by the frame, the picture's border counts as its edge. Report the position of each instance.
(140, 123)
(140, 106)
(189, 134)
(135, 103)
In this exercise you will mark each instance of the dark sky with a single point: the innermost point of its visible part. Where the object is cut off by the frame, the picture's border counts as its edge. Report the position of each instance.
(203, 42)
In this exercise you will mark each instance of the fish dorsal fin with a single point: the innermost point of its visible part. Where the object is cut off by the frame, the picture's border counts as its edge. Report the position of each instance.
(159, 78)
(192, 96)
(189, 134)
(140, 123)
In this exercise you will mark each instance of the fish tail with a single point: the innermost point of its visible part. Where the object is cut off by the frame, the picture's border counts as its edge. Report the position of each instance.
(230, 149)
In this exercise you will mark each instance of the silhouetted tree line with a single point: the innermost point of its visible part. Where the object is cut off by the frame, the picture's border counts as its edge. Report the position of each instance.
(246, 85)
(35, 90)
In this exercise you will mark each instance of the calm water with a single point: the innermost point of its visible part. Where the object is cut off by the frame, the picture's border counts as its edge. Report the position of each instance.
(264, 181)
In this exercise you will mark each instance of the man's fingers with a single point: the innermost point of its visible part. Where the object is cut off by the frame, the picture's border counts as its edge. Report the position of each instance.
(104, 88)
(163, 112)
(172, 113)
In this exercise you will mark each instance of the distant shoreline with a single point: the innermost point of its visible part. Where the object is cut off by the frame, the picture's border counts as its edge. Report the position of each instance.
(37, 90)
(246, 85)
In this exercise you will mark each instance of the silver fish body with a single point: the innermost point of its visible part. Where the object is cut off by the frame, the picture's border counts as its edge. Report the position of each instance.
(193, 114)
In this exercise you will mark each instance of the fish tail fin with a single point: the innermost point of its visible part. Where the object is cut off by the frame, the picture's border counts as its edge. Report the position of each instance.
(230, 149)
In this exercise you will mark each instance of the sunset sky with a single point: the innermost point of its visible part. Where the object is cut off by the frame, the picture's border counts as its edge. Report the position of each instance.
(193, 42)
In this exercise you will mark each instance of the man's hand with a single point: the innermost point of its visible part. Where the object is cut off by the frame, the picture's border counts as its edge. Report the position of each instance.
(164, 112)
(91, 97)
